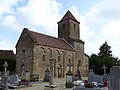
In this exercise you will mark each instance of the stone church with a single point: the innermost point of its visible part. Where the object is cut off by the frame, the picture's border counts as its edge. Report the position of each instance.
(34, 50)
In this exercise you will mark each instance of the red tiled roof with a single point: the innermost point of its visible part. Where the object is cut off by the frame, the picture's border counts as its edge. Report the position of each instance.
(67, 16)
(7, 53)
(50, 41)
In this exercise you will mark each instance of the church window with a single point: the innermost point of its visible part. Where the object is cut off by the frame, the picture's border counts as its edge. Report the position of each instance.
(43, 57)
(79, 62)
(69, 61)
(63, 25)
(74, 26)
(59, 58)
(23, 55)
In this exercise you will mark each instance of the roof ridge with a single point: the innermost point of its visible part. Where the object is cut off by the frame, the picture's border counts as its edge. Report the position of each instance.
(6, 50)
(43, 34)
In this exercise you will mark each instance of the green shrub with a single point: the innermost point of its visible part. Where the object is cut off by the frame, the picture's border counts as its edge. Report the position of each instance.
(34, 77)
(11, 64)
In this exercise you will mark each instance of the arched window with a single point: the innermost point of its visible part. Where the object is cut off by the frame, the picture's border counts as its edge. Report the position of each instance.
(69, 61)
(59, 58)
(63, 25)
(74, 25)
(23, 55)
(79, 62)
(43, 57)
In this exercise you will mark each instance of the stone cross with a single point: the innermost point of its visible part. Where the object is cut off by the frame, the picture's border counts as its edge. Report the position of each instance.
(104, 68)
(5, 78)
(51, 70)
(69, 65)
(5, 67)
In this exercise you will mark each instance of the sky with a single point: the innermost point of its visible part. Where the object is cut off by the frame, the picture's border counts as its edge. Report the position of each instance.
(99, 21)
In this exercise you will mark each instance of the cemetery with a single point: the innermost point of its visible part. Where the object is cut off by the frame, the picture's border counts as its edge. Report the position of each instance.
(94, 82)
(72, 81)
(75, 82)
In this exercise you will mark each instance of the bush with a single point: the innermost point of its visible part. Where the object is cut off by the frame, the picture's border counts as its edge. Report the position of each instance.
(11, 64)
(35, 77)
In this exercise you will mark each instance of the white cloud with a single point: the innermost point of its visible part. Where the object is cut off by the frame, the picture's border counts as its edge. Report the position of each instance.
(105, 9)
(43, 15)
(104, 19)
(10, 22)
(85, 31)
(111, 30)
(100, 23)
(6, 6)
(6, 44)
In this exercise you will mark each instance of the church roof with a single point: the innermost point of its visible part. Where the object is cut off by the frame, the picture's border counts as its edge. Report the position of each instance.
(7, 54)
(50, 41)
(67, 16)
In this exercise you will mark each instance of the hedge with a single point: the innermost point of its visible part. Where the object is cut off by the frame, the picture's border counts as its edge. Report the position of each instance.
(11, 64)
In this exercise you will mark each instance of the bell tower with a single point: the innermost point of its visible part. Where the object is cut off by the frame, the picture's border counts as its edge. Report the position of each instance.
(68, 27)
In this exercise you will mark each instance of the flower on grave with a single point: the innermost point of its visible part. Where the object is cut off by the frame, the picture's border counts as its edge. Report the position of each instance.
(89, 85)
(23, 78)
(105, 83)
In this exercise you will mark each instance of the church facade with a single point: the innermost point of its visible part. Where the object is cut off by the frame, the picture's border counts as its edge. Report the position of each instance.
(35, 50)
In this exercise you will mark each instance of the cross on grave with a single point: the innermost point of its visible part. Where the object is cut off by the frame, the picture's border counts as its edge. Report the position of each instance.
(51, 70)
(69, 65)
(104, 68)
(5, 67)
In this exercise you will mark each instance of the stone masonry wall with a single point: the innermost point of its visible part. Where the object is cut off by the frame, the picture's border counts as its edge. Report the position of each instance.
(39, 65)
(24, 53)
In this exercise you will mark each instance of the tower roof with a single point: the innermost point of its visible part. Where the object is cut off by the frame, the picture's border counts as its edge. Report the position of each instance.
(67, 16)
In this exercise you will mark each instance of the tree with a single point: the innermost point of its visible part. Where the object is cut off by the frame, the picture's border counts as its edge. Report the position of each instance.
(105, 50)
(104, 57)
(11, 64)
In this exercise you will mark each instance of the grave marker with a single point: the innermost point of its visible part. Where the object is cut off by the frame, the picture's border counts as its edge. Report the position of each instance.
(5, 77)
(114, 78)
(94, 77)
(77, 75)
(13, 79)
(104, 68)
(47, 73)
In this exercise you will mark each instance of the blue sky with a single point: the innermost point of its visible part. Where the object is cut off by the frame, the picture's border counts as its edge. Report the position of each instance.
(99, 21)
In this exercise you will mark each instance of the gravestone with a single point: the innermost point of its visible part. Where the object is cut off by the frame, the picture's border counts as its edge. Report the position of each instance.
(69, 78)
(90, 76)
(114, 78)
(105, 76)
(77, 76)
(13, 79)
(47, 77)
(27, 75)
(5, 77)
(94, 77)
(51, 82)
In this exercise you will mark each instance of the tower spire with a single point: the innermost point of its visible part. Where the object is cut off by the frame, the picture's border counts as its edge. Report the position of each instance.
(67, 16)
